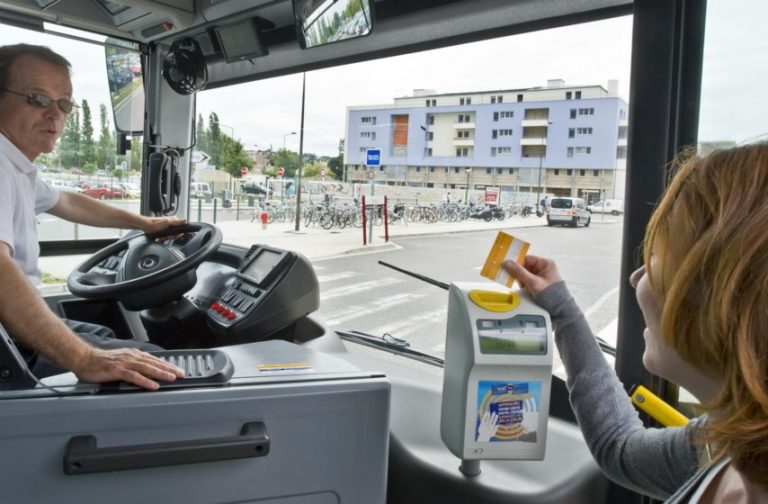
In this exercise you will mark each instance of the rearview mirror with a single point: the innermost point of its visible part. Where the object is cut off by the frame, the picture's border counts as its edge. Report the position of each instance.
(321, 22)
(126, 89)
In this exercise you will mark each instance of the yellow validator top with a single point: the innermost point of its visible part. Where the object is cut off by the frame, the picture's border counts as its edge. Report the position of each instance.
(494, 301)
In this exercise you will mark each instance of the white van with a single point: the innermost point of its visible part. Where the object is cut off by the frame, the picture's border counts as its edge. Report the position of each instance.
(611, 206)
(570, 211)
(199, 189)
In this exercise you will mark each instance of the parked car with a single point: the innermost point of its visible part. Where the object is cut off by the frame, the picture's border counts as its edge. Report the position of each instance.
(570, 211)
(611, 206)
(64, 185)
(200, 190)
(131, 189)
(102, 191)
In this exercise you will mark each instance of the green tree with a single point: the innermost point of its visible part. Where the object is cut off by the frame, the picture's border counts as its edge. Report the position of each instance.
(312, 170)
(69, 147)
(336, 164)
(105, 149)
(89, 168)
(214, 139)
(201, 134)
(87, 146)
(137, 148)
(233, 156)
(288, 160)
(118, 173)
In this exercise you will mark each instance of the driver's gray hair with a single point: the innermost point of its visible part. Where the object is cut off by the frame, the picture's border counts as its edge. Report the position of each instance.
(9, 53)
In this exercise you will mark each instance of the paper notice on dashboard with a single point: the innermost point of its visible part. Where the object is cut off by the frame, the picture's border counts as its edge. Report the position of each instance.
(505, 247)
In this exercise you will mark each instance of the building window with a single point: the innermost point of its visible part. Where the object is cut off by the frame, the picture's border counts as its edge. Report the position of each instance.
(368, 134)
(381, 168)
(495, 116)
(368, 120)
(505, 151)
(499, 170)
(427, 103)
(507, 114)
(582, 173)
(463, 118)
(428, 152)
(570, 152)
(621, 152)
(488, 171)
(519, 97)
(468, 100)
(493, 100)
(578, 95)
(568, 95)
(494, 134)
(418, 169)
(573, 113)
(455, 169)
(363, 149)
(511, 171)
(505, 132)
(582, 151)
(569, 172)
(461, 101)
(583, 131)
(499, 99)
(571, 132)
(557, 172)
(431, 169)
(430, 119)
(430, 135)
(445, 169)
(595, 173)
(462, 152)
(587, 111)
(434, 103)
(493, 151)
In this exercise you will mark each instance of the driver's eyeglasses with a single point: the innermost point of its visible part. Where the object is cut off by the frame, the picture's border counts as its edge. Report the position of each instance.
(42, 101)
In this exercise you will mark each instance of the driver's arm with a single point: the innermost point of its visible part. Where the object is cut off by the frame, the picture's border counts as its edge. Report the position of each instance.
(83, 209)
(24, 313)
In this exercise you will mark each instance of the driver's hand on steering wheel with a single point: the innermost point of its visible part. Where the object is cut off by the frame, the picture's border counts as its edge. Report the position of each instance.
(126, 364)
(153, 224)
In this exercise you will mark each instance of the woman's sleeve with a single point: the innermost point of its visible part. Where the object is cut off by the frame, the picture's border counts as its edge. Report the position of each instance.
(654, 462)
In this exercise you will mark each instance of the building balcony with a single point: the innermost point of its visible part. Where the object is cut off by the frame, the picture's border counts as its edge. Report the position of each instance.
(464, 125)
(463, 142)
(527, 123)
(533, 141)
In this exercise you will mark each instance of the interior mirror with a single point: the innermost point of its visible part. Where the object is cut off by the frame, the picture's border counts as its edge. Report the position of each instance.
(126, 88)
(320, 22)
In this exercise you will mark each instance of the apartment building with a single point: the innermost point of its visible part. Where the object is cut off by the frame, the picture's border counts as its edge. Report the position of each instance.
(558, 139)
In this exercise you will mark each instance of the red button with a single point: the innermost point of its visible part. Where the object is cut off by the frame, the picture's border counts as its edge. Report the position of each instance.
(231, 315)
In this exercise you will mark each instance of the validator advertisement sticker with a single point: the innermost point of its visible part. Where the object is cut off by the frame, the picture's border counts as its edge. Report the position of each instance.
(505, 247)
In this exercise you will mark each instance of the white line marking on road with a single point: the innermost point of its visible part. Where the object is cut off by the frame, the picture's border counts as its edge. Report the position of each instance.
(337, 276)
(354, 289)
(411, 325)
(597, 304)
(356, 311)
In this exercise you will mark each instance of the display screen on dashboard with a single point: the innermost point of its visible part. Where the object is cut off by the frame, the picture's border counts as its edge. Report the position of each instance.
(262, 265)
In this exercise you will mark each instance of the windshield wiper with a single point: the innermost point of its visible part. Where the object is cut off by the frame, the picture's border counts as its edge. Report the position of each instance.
(389, 343)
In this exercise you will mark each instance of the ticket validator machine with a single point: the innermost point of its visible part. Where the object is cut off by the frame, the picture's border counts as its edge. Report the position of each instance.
(497, 377)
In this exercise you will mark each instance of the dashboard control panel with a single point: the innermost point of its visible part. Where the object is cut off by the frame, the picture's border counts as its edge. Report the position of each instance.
(271, 289)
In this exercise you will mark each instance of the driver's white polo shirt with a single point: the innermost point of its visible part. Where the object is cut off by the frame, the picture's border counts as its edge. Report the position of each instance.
(22, 197)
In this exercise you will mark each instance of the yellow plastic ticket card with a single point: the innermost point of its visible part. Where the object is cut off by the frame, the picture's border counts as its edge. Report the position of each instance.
(505, 247)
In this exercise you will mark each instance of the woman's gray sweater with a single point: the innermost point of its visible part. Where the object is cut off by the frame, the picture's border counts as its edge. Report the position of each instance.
(654, 462)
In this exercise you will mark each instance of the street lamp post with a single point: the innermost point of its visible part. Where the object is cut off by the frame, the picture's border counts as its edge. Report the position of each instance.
(287, 135)
(541, 159)
(468, 171)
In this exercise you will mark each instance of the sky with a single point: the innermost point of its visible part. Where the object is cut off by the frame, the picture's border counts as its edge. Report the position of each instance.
(260, 114)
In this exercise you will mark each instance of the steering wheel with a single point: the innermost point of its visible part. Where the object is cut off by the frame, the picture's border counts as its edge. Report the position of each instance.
(142, 272)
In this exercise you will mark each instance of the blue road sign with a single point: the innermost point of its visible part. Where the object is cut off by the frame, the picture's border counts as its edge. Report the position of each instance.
(373, 157)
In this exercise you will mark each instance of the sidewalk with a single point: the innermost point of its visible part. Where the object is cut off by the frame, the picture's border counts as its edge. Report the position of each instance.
(315, 242)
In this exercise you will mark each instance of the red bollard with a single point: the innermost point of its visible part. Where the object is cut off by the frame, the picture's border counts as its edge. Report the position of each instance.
(264, 217)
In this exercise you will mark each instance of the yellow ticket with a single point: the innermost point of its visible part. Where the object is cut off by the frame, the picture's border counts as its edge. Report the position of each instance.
(506, 247)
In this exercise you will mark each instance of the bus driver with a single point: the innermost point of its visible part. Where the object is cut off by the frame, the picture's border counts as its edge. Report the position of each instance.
(35, 98)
